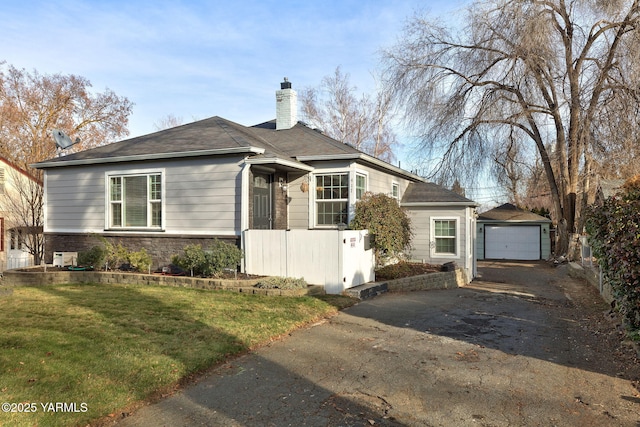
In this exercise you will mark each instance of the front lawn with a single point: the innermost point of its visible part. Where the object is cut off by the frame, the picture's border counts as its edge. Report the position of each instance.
(70, 354)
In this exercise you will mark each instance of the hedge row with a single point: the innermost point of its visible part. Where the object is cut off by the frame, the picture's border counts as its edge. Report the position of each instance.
(614, 234)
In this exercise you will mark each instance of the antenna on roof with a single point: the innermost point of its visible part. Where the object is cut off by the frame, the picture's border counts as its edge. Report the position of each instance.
(62, 140)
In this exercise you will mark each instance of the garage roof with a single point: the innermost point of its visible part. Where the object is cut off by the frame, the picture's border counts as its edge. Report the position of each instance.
(509, 212)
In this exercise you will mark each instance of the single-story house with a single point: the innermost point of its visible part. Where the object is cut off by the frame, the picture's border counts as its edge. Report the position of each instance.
(214, 178)
(508, 232)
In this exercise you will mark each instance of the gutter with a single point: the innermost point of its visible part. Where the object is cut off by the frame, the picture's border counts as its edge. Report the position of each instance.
(153, 156)
(434, 204)
(280, 162)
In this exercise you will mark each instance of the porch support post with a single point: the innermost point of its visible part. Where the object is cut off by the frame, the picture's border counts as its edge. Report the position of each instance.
(244, 209)
(244, 197)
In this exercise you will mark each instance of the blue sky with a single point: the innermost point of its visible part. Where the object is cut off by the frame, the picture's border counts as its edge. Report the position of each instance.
(197, 59)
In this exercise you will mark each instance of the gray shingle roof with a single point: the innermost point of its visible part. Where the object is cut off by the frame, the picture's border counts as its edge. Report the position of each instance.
(509, 212)
(216, 133)
(428, 192)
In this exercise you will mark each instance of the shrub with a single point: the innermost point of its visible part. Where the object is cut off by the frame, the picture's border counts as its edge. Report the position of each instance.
(614, 235)
(277, 282)
(192, 259)
(387, 222)
(223, 255)
(210, 262)
(115, 257)
(140, 260)
(93, 257)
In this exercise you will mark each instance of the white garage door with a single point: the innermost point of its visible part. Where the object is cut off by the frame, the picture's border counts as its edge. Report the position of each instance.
(512, 242)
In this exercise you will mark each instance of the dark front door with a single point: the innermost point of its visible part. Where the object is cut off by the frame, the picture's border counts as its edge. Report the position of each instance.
(261, 201)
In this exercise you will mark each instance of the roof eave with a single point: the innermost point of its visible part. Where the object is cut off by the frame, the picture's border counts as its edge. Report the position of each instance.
(513, 220)
(280, 162)
(365, 158)
(156, 156)
(434, 204)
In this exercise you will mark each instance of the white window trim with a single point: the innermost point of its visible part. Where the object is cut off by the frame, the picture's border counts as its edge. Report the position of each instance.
(397, 185)
(365, 174)
(435, 254)
(134, 172)
(313, 212)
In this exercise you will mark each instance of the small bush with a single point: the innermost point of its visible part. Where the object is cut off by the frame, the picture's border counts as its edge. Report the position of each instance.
(387, 222)
(140, 261)
(93, 257)
(282, 283)
(115, 257)
(210, 262)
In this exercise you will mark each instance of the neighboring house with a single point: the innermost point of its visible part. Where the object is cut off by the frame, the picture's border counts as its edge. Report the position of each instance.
(608, 188)
(215, 178)
(17, 230)
(507, 232)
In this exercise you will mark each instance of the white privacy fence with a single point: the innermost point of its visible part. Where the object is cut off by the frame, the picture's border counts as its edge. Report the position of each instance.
(18, 259)
(336, 259)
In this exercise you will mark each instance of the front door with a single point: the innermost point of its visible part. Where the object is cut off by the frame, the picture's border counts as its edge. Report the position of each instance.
(261, 201)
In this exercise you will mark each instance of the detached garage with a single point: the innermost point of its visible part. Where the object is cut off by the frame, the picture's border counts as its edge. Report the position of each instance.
(508, 232)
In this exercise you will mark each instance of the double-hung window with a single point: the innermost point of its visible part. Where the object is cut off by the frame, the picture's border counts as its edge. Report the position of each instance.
(445, 236)
(332, 198)
(135, 201)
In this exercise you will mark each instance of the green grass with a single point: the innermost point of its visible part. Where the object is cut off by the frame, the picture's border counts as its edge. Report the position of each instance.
(113, 346)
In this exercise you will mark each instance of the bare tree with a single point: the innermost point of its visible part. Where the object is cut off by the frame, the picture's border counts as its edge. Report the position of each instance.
(363, 123)
(32, 105)
(547, 69)
(21, 203)
(167, 122)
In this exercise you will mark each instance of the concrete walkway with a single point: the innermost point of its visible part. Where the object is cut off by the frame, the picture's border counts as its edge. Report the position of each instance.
(507, 350)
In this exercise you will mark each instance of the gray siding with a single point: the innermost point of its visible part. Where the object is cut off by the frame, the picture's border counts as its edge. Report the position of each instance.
(381, 182)
(201, 196)
(299, 201)
(421, 226)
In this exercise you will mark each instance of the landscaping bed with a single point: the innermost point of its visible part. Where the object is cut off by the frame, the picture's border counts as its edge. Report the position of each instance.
(406, 269)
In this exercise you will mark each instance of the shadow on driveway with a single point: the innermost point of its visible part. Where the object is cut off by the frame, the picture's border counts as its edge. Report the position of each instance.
(494, 353)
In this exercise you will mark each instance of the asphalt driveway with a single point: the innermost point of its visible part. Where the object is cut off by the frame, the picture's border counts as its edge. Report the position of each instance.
(515, 348)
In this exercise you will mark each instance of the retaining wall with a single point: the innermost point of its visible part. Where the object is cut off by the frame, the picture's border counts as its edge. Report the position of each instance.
(592, 276)
(442, 280)
(424, 282)
(27, 278)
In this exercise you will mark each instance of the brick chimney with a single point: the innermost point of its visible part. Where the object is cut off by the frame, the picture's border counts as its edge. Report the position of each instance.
(286, 106)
